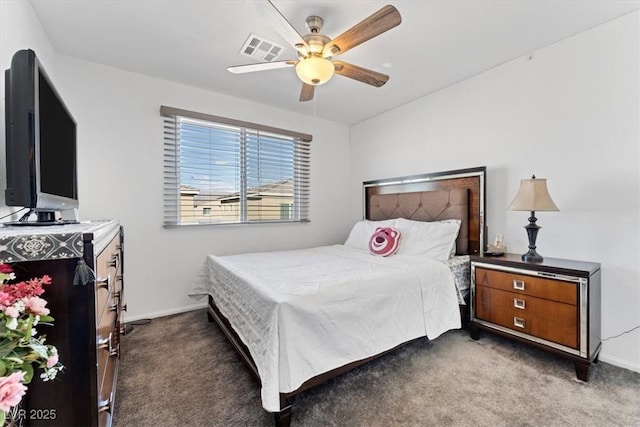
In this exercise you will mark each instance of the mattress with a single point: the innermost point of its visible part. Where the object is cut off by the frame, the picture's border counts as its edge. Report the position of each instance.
(305, 312)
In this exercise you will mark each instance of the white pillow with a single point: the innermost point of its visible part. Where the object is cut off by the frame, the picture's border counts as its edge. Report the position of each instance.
(362, 231)
(454, 249)
(434, 240)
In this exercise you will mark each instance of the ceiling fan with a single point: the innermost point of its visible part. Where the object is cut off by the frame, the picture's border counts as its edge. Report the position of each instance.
(314, 65)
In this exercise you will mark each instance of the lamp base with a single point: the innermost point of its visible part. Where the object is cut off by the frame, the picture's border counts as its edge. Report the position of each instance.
(532, 232)
(532, 256)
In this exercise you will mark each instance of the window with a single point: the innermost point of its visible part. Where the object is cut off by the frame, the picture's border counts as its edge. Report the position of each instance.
(224, 171)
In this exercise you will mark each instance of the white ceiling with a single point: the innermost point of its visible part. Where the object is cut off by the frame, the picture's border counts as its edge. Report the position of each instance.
(438, 43)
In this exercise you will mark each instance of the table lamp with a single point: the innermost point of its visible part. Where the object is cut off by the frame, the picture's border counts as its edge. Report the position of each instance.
(533, 196)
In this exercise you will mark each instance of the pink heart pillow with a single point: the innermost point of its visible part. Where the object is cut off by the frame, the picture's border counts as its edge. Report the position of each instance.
(384, 241)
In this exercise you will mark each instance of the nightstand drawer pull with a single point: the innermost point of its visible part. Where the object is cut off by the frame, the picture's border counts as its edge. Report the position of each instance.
(518, 322)
(519, 303)
(518, 285)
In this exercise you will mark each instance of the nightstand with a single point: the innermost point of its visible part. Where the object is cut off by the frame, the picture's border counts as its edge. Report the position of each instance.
(553, 305)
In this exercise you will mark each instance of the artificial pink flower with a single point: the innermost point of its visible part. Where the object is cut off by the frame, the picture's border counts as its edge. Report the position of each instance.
(46, 280)
(6, 269)
(36, 305)
(11, 390)
(12, 311)
(52, 360)
(5, 299)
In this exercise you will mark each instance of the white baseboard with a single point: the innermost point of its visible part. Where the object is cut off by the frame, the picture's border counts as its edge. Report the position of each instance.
(163, 313)
(621, 363)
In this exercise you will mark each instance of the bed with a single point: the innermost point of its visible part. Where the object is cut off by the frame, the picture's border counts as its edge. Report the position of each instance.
(299, 318)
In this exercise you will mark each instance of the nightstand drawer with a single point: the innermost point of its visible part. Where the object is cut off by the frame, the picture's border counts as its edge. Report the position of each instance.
(550, 289)
(550, 320)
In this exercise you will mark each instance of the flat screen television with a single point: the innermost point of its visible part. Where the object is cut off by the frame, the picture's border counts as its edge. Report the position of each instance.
(40, 143)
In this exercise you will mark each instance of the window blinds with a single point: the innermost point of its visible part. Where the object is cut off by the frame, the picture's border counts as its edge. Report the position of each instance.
(224, 171)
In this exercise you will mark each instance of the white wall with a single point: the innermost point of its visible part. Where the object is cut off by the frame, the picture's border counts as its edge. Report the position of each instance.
(120, 170)
(569, 114)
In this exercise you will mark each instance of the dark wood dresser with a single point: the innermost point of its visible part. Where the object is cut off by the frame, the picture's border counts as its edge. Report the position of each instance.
(85, 262)
(554, 305)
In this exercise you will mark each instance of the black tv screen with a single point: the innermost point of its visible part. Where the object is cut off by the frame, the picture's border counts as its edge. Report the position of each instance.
(40, 141)
(57, 144)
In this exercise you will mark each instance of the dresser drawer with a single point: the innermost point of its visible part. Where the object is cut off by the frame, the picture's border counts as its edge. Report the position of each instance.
(107, 275)
(117, 283)
(550, 289)
(108, 261)
(107, 392)
(550, 320)
(104, 418)
(107, 341)
(102, 296)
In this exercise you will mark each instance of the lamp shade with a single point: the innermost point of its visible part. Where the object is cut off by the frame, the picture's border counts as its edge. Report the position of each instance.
(533, 195)
(315, 70)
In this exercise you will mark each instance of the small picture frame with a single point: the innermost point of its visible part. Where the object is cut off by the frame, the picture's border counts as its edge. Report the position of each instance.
(498, 248)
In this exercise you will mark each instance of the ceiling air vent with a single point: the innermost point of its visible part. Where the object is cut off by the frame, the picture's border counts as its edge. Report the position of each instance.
(260, 49)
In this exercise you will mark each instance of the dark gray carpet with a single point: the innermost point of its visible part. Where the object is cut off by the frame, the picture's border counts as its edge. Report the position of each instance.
(181, 371)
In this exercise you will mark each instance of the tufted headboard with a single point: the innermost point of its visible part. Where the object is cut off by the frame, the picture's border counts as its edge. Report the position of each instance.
(458, 194)
(426, 206)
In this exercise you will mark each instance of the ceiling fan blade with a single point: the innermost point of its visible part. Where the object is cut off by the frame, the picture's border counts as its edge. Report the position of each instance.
(306, 94)
(363, 75)
(260, 66)
(275, 19)
(376, 24)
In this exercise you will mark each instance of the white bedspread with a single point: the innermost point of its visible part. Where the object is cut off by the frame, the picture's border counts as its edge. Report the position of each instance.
(305, 312)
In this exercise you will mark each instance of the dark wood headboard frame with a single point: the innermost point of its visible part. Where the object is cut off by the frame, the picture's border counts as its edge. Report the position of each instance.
(473, 179)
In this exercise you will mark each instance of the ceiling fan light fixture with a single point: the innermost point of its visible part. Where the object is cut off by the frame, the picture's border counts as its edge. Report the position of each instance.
(315, 70)
(315, 51)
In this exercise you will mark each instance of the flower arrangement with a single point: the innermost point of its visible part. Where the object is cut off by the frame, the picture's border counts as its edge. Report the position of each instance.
(21, 310)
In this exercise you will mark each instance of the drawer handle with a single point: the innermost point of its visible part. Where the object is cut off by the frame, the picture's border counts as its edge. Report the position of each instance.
(107, 344)
(113, 307)
(518, 322)
(519, 303)
(518, 285)
(104, 282)
(105, 405)
(114, 260)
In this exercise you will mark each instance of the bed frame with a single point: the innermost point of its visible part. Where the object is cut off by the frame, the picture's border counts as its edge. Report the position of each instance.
(426, 197)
